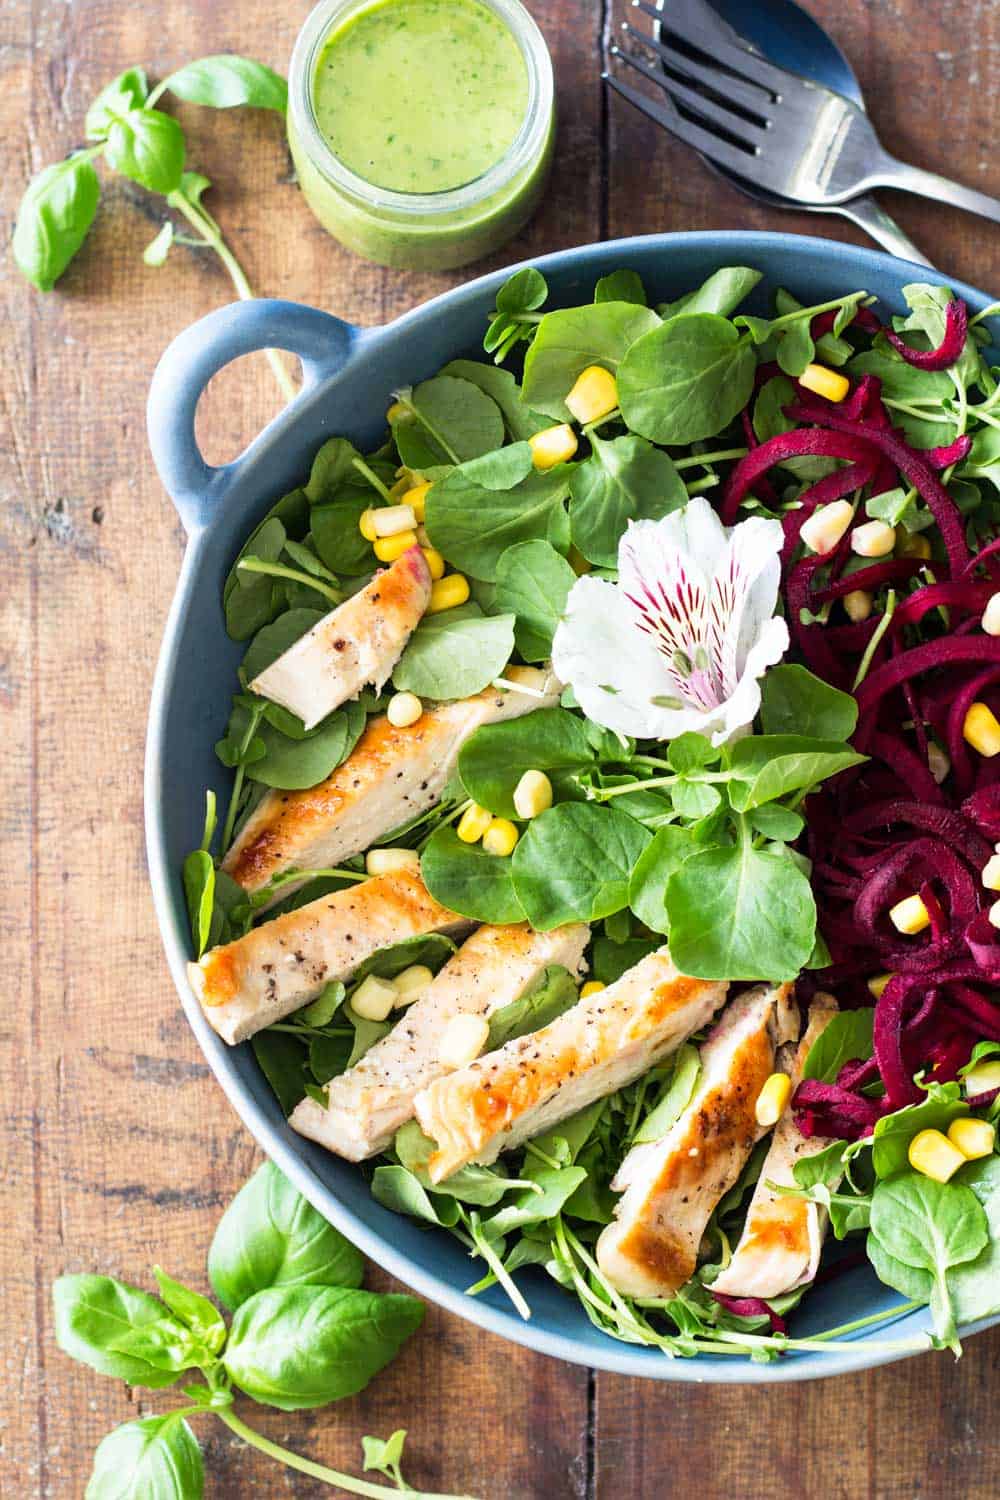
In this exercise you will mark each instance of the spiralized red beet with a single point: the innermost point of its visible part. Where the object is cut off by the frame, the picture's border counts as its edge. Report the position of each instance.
(948, 453)
(887, 1036)
(827, 1109)
(800, 443)
(751, 1307)
(983, 809)
(956, 330)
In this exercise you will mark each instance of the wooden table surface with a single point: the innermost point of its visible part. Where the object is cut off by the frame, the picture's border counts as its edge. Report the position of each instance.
(120, 1148)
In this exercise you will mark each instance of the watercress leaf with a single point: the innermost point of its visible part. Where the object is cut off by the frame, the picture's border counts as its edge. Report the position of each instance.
(573, 863)
(846, 1037)
(156, 252)
(826, 1167)
(913, 1283)
(284, 1061)
(740, 913)
(899, 507)
(147, 146)
(691, 752)
(533, 582)
(669, 848)
(399, 1190)
(621, 286)
(332, 469)
(290, 764)
(321, 1011)
(493, 760)
(522, 423)
(270, 1236)
(769, 418)
(225, 81)
(198, 875)
(249, 598)
(796, 349)
(127, 91)
(573, 338)
(201, 1316)
(296, 1347)
(525, 291)
(901, 381)
(695, 799)
(336, 536)
(431, 949)
(468, 880)
(624, 479)
(782, 824)
(721, 293)
(154, 1458)
(273, 640)
(893, 1133)
(610, 960)
(675, 1097)
(457, 421)
(500, 470)
(554, 993)
(366, 1034)
(54, 216)
(482, 1186)
(686, 379)
(472, 526)
(528, 1207)
(791, 772)
(975, 1284)
(794, 701)
(92, 1312)
(455, 654)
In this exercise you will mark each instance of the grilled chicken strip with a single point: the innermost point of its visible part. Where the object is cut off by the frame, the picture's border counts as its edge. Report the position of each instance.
(494, 967)
(672, 1185)
(392, 775)
(357, 643)
(780, 1246)
(280, 966)
(530, 1084)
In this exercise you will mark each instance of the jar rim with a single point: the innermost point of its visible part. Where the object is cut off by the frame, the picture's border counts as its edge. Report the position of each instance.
(526, 146)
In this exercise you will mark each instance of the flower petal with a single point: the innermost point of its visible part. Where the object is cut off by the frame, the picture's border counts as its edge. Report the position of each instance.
(743, 595)
(742, 706)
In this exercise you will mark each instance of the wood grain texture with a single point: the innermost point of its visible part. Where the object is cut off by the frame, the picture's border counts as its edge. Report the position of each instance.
(119, 1148)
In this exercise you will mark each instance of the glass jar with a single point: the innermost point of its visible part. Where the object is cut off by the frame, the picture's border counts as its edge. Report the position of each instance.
(422, 231)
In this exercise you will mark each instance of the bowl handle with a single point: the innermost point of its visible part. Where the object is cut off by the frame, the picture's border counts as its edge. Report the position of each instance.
(323, 344)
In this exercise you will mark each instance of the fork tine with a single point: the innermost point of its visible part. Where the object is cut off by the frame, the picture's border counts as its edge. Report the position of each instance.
(749, 96)
(709, 145)
(686, 19)
(734, 125)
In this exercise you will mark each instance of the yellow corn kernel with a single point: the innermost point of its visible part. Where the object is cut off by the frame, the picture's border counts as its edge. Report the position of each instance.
(594, 394)
(366, 525)
(981, 730)
(464, 1038)
(913, 545)
(828, 383)
(391, 861)
(578, 562)
(374, 998)
(991, 873)
(398, 413)
(403, 709)
(910, 916)
(991, 615)
(533, 794)
(974, 1138)
(388, 548)
(434, 561)
(826, 526)
(983, 1078)
(873, 539)
(500, 837)
(473, 823)
(552, 446)
(416, 499)
(411, 984)
(448, 592)
(938, 762)
(994, 914)
(858, 604)
(877, 984)
(772, 1100)
(592, 987)
(934, 1155)
(392, 520)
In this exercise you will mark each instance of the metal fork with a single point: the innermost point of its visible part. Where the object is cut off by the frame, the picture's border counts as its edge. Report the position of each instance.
(786, 133)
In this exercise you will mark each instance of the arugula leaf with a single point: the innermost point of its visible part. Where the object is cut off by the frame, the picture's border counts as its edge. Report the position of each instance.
(153, 1458)
(472, 525)
(455, 654)
(625, 479)
(686, 379)
(570, 340)
(533, 581)
(148, 146)
(53, 219)
(846, 1036)
(466, 879)
(493, 760)
(225, 81)
(794, 701)
(573, 863)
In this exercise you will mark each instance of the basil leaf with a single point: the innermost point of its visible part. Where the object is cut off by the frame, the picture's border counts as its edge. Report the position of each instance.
(794, 701)
(297, 1347)
(225, 81)
(533, 583)
(660, 859)
(493, 760)
(54, 216)
(621, 286)
(92, 1312)
(127, 91)
(686, 379)
(166, 1344)
(455, 654)
(147, 146)
(573, 863)
(569, 341)
(740, 913)
(846, 1037)
(270, 1236)
(472, 525)
(154, 1458)
(466, 879)
(626, 479)
(201, 1316)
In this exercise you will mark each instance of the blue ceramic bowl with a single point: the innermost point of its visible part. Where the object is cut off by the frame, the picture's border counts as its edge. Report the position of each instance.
(349, 374)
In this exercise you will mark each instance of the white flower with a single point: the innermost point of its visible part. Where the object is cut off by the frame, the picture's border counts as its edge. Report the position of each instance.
(680, 641)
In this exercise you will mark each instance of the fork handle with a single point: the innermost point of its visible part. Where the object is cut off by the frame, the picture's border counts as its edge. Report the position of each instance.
(870, 216)
(908, 179)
